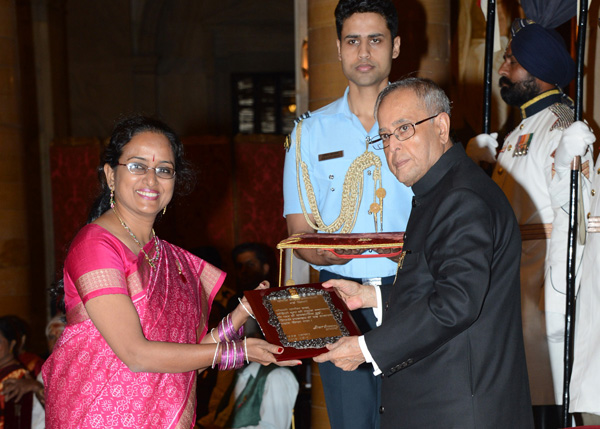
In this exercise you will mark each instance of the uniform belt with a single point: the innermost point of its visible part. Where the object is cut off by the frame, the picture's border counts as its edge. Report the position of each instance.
(593, 224)
(535, 231)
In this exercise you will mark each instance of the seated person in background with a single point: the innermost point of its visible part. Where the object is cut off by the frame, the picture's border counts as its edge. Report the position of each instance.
(11, 415)
(31, 361)
(17, 388)
(254, 264)
(252, 397)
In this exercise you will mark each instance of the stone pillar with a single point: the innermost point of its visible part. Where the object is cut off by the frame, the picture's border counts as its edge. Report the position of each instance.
(326, 83)
(435, 64)
(424, 29)
(21, 232)
(13, 230)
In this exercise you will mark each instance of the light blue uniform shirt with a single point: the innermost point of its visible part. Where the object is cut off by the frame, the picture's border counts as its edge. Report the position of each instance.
(331, 129)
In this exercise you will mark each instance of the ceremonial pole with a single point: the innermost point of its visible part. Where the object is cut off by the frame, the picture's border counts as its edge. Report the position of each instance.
(572, 237)
(489, 57)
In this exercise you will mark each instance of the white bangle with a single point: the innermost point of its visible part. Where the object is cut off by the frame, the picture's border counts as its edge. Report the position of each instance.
(249, 314)
(234, 354)
(212, 336)
(246, 350)
(215, 356)
(227, 353)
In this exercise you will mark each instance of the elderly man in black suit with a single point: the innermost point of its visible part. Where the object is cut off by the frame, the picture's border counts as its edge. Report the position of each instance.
(449, 346)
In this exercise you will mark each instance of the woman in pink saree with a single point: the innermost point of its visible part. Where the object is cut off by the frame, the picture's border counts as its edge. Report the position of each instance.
(137, 306)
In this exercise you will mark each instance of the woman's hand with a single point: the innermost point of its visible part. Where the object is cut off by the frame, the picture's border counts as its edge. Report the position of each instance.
(243, 310)
(264, 353)
(18, 387)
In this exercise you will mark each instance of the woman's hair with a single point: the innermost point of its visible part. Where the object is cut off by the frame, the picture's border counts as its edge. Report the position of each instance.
(126, 129)
(8, 331)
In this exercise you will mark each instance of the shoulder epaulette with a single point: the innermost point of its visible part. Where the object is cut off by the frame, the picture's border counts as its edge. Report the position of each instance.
(287, 143)
(564, 116)
(302, 117)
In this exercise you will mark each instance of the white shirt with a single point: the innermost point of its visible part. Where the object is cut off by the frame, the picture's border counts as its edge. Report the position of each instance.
(279, 396)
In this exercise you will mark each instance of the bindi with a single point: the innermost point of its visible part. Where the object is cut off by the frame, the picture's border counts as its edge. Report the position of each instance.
(152, 158)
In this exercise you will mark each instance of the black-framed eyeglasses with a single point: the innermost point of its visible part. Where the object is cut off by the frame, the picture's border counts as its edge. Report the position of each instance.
(140, 169)
(403, 132)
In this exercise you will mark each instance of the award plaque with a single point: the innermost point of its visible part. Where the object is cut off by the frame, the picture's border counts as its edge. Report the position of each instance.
(302, 318)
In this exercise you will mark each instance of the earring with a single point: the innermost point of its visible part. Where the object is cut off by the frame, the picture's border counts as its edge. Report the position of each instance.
(112, 199)
(164, 210)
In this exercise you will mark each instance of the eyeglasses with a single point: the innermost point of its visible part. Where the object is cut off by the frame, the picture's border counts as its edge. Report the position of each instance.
(403, 132)
(140, 169)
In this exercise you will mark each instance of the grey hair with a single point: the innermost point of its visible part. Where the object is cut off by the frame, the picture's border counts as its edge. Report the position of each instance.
(433, 97)
(59, 319)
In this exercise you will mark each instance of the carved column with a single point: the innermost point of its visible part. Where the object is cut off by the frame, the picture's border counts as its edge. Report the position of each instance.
(21, 230)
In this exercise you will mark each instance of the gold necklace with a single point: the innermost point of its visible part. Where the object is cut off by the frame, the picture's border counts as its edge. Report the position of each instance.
(152, 261)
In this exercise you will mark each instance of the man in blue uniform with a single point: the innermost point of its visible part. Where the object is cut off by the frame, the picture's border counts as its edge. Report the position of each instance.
(333, 147)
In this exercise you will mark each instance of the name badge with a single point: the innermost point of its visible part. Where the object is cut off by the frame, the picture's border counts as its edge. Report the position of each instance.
(331, 155)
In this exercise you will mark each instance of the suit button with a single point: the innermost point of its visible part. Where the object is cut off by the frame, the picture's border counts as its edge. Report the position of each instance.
(403, 365)
(381, 409)
(410, 361)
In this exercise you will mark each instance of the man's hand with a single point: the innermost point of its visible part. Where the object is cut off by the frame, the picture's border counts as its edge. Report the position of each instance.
(331, 258)
(483, 148)
(297, 224)
(354, 294)
(388, 250)
(345, 354)
(575, 141)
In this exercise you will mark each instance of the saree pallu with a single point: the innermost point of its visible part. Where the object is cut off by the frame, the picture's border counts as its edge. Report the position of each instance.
(88, 386)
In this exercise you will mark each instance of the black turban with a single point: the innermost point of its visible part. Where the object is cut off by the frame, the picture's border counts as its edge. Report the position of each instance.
(543, 53)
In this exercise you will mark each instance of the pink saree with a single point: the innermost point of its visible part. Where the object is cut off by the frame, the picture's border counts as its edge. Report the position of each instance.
(87, 385)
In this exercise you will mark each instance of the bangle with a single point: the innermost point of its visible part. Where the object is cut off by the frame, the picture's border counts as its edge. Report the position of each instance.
(215, 356)
(226, 366)
(234, 355)
(249, 314)
(221, 332)
(235, 336)
(246, 350)
(227, 332)
(212, 336)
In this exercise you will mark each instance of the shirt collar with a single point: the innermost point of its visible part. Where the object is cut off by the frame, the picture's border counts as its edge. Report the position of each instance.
(540, 102)
(438, 170)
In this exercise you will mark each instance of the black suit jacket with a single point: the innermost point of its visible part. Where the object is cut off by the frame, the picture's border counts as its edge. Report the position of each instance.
(451, 346)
